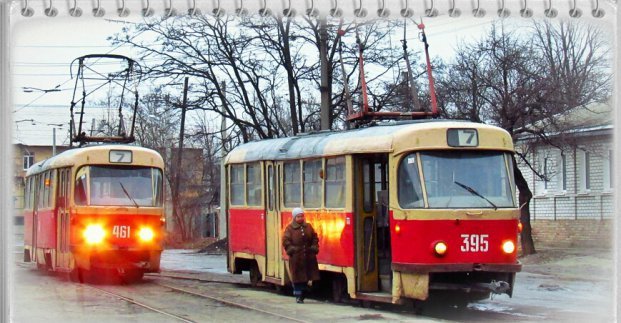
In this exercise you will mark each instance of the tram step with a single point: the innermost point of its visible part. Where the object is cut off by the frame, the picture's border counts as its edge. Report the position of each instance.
(375, 297)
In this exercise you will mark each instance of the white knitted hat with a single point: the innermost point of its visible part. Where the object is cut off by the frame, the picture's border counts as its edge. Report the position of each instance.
(297, 211)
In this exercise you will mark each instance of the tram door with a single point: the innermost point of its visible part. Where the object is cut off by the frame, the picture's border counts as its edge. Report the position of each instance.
(62, 204)
(370, 179)
(272, 221)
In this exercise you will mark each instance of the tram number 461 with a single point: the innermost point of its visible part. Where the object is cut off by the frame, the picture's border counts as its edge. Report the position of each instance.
(474, 243)
(121, 231)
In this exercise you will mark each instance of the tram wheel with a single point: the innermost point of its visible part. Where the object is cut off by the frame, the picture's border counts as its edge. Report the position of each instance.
(338, 289)
(132, 276)
(77, 275)
(255, 275)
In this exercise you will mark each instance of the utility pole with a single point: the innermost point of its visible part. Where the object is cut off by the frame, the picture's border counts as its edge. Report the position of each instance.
(54, 141)
(324, 87)
(178, 167)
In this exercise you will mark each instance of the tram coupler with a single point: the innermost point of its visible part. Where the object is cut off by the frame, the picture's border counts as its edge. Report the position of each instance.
(496, 287)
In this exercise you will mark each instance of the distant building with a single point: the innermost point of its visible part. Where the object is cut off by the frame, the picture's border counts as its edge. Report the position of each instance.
(573, 204)
(25, 156)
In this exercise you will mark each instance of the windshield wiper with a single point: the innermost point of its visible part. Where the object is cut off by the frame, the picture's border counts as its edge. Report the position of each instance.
(473, 192)
(129, 196)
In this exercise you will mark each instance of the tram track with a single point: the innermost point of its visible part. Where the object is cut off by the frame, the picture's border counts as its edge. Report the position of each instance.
(143, 305)
(230, 303)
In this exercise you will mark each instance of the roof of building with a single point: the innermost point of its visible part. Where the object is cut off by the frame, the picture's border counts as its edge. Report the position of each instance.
(583, 119)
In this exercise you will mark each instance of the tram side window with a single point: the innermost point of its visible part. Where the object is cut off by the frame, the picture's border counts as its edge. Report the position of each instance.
(410, 193)
(335, 182)
(237, 185)
(80, 188)
(253, 184)
(312, 183)
(157, 185)
(292, 184)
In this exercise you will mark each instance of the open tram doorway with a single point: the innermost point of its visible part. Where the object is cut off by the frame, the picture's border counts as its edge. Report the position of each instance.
(373, 256)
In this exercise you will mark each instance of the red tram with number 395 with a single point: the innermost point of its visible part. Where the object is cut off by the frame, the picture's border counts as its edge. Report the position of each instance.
(96, 207)
(404, 210)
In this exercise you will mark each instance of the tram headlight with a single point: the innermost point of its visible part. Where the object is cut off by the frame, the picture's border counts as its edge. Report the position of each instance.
(440, 248)
(146, 234)
(508, 247)
(94, 233)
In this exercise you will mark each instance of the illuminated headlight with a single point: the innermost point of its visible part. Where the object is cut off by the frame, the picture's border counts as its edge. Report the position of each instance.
(508, 247)
(146, 234)
(440, 248)
(94, 233)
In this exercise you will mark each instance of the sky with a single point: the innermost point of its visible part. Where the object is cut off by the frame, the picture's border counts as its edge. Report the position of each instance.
(42, 48)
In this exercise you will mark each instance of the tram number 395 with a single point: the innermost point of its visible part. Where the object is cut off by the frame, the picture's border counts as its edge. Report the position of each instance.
(474, 243)
(121, 231)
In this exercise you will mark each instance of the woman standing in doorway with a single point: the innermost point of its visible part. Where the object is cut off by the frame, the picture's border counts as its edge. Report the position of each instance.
(302, 245)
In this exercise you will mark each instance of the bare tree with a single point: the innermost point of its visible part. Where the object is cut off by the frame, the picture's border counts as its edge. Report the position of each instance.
(522, 84)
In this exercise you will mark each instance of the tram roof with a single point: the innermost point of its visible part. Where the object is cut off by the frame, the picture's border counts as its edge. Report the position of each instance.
(382, 138)
(78, 156)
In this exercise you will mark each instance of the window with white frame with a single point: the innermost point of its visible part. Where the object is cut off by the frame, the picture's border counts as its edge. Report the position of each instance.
(28, 160)
(584, 170)
(608, 171)
(563, 172)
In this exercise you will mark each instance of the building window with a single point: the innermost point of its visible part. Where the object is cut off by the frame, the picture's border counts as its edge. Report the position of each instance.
(563, 171)
(608, 171)
(584, 170)
(28, 160)
(546, 174)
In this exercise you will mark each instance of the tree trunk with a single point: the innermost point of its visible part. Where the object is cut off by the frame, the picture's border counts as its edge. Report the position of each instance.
(525, 195)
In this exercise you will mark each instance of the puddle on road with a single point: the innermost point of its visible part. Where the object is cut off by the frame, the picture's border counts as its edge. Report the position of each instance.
(498, 308)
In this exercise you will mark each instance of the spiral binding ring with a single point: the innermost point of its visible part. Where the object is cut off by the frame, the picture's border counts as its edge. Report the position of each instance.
(503, 12)
(478, 11)
(550, 12)
(75, 11)
(170, 11)
(526, 12)
(193, 11)
(218, 11)
(383, 12)
(147, 12)
(575, 12)
(241, 11)
(123, 12)
(360, 12)
(289, 12)
(597, 12)
(265, 11)
(407, 12)
(51, 11)
(27, 11)
(454, 12)
(431, 12)
(336, 11)
(99, 11)
(312, 12)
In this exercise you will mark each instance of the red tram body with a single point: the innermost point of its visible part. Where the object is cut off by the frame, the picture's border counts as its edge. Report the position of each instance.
(98, 207)
(402, 210)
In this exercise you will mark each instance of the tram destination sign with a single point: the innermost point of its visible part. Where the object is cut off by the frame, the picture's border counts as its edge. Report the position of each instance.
(462, 137)
(120, 156)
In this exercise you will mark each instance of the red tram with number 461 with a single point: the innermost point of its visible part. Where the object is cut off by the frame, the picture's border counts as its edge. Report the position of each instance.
(96, 208)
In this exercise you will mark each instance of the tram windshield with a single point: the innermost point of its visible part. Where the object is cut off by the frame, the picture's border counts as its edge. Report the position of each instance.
(457, 179)
(119, 186)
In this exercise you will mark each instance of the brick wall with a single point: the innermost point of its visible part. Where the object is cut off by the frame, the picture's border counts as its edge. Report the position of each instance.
(573, 233)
